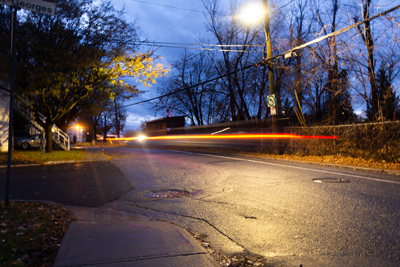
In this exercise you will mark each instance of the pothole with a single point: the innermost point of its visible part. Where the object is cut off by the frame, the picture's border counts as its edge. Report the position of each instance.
(165, 193)
(330, 180)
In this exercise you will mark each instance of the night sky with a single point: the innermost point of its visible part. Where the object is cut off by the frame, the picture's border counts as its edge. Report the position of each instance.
(172, 21)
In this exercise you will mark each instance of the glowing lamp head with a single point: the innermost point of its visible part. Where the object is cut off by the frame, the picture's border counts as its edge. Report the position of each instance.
(141, 138)
(252, 13)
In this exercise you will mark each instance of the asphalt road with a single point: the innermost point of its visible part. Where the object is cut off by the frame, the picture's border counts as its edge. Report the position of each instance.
(269, 207)
(241, 204)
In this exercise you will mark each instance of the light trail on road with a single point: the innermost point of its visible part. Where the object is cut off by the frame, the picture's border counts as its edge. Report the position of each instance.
(224, 136)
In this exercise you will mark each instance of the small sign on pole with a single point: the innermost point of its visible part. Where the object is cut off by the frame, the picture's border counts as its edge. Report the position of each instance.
(32, 5)
(271, 100)
(35, 6)
(273, 110)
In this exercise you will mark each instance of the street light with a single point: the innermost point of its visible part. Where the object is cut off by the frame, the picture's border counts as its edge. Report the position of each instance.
(77, 132)
(255, 13)
(252, 13)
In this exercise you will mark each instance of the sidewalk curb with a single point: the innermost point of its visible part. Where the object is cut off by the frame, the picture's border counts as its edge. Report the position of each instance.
(136, 240)
(49, 163)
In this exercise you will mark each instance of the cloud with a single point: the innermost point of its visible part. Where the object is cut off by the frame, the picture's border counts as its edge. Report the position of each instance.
(134, 120)
(159, 23)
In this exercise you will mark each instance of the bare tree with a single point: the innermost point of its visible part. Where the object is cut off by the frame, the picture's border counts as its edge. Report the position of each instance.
(327, 55)
(375, 47)
(119, 116)
(185, 91)
(229, 34)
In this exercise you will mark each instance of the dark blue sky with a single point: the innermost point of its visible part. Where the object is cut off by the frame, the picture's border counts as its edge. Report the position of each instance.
(175, 21)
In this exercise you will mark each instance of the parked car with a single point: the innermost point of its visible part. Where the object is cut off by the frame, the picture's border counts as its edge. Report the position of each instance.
(33, 141)
(21, 134)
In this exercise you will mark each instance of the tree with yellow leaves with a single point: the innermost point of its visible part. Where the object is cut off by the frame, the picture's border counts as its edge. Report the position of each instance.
(70, 61)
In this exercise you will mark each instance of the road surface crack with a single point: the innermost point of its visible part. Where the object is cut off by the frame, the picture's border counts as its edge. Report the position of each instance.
(141, 258)
(194, 218)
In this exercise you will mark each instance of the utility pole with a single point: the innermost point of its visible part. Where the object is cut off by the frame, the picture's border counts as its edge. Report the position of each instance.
(14, 23)
(269, 56)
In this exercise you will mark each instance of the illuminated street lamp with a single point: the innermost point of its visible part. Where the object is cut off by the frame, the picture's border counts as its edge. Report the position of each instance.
(78, 128)
(256, 13)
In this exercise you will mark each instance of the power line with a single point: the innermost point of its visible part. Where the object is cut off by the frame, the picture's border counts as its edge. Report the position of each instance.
(204, 49)
(178, 23)
(170, 43)
(186, 46)
(332, 34)
(266, 61)
(196, 85)
(181, 8)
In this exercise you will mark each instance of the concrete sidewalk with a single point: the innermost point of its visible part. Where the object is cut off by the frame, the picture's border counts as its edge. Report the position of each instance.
(113, 238)
(103, 237)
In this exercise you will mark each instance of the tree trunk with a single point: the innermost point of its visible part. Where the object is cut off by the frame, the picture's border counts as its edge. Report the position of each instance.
(49, 137)
(278, 86)
(299, 83)
(335, 87)
(369, 43)
(105, 128)
(117, 124)
(372, 101)
(263, 85)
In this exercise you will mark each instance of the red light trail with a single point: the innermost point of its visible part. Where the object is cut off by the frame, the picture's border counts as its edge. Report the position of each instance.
(224, 136)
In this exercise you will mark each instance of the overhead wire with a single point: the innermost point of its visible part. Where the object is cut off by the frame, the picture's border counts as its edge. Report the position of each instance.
(267, 61)
(204, 49)
(155, 4)
(196, 85)
(317, 40)
(177, 23)
(171, 43)
(192, 11)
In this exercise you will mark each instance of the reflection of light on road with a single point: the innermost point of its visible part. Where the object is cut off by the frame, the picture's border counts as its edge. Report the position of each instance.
(228, 136)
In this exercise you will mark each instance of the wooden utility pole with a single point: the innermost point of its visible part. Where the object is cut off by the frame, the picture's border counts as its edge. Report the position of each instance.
(269, 56)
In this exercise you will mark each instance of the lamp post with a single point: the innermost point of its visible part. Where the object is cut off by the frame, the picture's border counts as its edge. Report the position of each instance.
(255, 14)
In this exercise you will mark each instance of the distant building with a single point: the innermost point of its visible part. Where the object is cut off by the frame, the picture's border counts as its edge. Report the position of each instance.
(77, 134)
(166, 126)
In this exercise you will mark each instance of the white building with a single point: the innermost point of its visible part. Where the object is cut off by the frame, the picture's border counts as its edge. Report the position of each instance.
(78, 132)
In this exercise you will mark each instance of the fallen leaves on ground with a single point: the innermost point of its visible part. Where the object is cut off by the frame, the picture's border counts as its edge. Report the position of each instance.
(339, 160)
(31, 233)
(120, 154)
(232, 260)
(331, 159)
(19, 157)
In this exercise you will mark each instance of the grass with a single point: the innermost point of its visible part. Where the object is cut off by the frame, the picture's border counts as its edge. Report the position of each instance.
(40, 157)
(31, 233)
